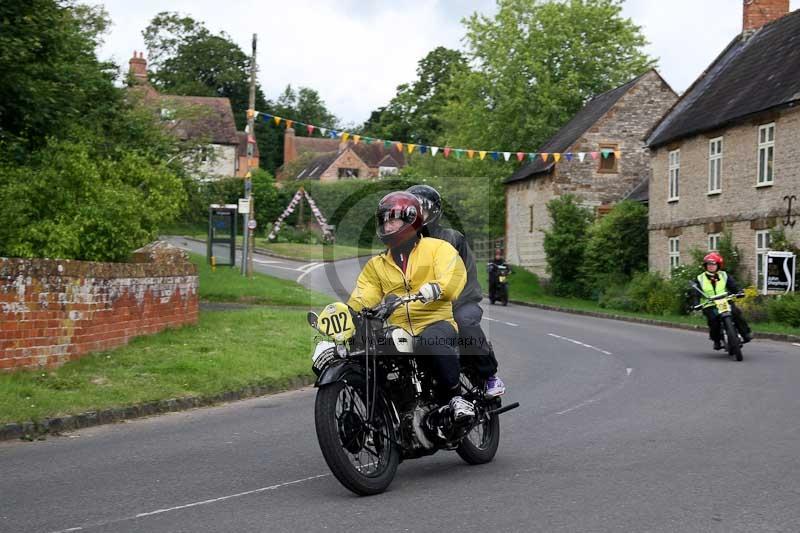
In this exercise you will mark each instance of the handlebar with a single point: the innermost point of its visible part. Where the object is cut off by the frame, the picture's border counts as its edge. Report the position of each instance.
(388, 306)
(738, 295)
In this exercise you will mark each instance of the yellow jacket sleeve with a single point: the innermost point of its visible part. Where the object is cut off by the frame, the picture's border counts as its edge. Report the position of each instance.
(451, 275)
(368, 291)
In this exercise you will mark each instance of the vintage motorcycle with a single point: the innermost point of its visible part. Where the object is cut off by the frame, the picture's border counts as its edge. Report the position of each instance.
(731, 341)
(375, 404)
(499, 289)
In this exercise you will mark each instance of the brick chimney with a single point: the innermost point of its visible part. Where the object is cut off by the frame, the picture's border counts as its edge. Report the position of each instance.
(760, 12)
(138, 68)
(289, 148)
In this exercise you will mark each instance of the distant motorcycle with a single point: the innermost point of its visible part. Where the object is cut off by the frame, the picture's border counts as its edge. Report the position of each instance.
(498, 279)
(731, 340)
(375, 406)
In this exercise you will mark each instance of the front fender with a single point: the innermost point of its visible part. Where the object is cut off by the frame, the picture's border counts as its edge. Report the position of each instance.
(338, 371)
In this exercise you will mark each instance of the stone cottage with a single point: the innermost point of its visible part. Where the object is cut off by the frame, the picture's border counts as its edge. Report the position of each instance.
(615, 121)
(727, 156)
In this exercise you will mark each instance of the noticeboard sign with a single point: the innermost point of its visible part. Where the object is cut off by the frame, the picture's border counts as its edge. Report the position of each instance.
(781, 272)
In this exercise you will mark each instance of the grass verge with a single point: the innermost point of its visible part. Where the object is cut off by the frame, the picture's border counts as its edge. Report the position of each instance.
(226, 350)
(227, 284)
(525, 287)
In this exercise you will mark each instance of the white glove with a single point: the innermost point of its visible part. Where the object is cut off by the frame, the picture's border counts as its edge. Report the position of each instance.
(430, 292)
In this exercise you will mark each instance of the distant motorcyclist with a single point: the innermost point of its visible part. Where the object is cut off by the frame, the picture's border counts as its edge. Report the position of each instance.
(493, 271)
(713, 282)
(466, 310)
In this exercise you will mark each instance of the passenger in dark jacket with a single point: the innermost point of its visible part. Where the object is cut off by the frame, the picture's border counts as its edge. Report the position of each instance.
(476, 350)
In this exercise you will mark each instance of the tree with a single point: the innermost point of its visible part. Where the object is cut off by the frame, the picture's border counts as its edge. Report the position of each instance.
(536, 64)
(414, 114)
(51, 77)
(83, 173)
(564, 245)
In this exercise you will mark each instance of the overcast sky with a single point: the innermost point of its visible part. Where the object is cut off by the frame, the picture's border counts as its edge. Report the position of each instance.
(356, 52)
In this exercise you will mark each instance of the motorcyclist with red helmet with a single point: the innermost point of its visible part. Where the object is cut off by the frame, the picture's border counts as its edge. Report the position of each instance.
(714, 281)
(416, 264)
(475, 347)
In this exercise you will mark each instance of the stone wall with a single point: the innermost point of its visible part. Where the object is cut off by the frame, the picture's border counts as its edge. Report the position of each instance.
(54, 311)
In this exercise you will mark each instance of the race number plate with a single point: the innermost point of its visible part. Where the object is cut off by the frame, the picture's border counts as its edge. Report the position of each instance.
(502, 279)
(336, 322)
(723, 306)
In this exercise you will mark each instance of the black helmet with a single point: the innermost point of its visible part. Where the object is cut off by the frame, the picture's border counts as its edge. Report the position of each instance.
(403, 206)
(430, 200)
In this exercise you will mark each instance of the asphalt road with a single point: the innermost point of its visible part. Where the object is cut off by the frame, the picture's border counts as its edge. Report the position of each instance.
(623, 427)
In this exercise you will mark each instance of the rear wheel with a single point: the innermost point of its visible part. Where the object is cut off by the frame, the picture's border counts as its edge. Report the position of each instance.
(734, 345)
(479, 446)
(364, 459)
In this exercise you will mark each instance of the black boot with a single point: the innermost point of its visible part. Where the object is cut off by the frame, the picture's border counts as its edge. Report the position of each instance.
(747, 337)
(718, 344)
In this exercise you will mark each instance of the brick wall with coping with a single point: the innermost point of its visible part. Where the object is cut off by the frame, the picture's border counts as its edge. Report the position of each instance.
(54, 311)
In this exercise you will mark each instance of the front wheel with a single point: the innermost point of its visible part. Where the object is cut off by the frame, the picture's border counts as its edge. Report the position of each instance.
(734, 345)
(363, 457)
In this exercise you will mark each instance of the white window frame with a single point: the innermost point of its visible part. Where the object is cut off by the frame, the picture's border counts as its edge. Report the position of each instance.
(713, 241)
(674, 175)
(766, 149)
(715, 154)
(674, 252)
(763, 243)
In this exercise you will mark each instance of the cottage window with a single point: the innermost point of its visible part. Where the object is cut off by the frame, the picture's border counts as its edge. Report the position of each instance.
(763, 242)
(713, 242)
(766, 154)
(674, 175)
(674, 252)
(348, 172)
(715, 166)
(530, 227)
(608, 158)
(387, 171)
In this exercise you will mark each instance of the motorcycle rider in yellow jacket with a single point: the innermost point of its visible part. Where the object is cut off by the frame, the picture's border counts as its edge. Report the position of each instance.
(415, 264)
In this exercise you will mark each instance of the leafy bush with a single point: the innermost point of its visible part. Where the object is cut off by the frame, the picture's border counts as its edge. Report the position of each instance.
(785, 310)
(754, 305)
(69, 203)
(564, 245)
(646, 292)
(617, 245)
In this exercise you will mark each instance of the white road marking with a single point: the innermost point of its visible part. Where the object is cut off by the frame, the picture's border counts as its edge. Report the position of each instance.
(195, 504)
(308, 266)
(795, 344)
(308, 271)
(262, 262)
(579, 343)
(629, 370)
(490, 319)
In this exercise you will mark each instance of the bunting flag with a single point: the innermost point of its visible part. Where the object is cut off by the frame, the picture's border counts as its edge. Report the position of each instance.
(296, 199)
(446, 151)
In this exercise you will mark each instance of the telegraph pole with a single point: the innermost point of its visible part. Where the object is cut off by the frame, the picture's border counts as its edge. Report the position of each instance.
(247, 248)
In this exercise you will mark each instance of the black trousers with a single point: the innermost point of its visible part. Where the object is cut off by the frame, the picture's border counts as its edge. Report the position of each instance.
(715, 324)
(436, 349)
(476, 350)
